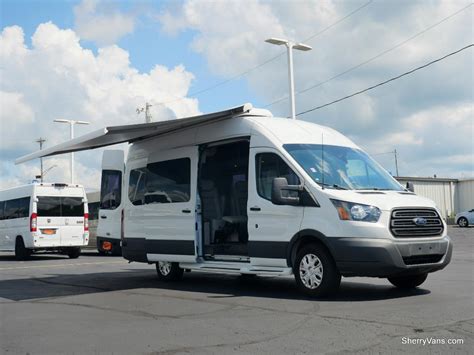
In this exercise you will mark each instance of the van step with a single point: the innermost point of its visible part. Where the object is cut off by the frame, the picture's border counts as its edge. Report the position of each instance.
(236, 268)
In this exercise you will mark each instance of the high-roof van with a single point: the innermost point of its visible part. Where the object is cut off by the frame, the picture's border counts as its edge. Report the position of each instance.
(44, 217)
(242, 192)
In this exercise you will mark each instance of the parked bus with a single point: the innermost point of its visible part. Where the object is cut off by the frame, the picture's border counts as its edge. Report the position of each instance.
(242, 192)
(44, 217)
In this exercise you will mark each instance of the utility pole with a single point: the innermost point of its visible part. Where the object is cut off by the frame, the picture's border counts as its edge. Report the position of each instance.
(147, 112)
(41, 140)
(396, 161)
(291, 82)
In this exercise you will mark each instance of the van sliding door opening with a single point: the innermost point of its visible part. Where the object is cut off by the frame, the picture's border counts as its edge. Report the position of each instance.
(223, 192)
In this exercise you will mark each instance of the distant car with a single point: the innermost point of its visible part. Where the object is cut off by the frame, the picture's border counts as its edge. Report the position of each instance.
(464, 219)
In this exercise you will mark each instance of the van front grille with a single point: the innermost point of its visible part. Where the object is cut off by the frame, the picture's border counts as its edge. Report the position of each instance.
(415, 223)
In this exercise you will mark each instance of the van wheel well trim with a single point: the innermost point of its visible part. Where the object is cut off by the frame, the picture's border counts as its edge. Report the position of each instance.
(305, 235)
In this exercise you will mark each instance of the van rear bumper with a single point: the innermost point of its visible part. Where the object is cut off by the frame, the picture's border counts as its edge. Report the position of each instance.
(385, 257)
(115, 244)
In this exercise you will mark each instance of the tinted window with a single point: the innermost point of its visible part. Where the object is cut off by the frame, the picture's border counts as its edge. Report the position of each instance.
(49, 206)
(136, 186)
(168, 181)
(110, 189)
(17, 208)
(270, 166)
(72, 207)
(2, 203)
(93, 210)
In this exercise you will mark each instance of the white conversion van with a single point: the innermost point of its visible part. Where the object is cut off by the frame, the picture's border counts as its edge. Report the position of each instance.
(44, 217)
(242, 192)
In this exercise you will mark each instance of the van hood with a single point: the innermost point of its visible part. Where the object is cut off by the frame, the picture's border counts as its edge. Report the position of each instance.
(385, 200)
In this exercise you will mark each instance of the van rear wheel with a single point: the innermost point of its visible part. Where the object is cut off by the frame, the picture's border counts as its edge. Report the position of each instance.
(21, 252)
(315, 271)
(168, 271)
(408, 282)
(73, 253)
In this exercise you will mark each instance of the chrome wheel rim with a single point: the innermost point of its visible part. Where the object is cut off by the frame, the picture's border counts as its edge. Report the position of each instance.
(164, 267)
(462, 222)
(311, 271)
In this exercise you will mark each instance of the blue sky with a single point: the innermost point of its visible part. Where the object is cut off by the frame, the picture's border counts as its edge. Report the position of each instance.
(98, 60)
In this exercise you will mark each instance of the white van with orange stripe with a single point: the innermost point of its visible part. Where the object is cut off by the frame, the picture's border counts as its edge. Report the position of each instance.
(44, 217)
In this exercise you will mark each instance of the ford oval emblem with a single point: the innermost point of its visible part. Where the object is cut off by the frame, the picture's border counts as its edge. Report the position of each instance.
(420, 221)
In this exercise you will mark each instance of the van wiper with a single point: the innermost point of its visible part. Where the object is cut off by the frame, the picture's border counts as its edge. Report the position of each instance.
(334, 186)
(374, 189)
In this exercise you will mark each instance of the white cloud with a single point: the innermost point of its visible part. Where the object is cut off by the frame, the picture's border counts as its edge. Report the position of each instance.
(58, 78)
(423, 112)
(101, 24)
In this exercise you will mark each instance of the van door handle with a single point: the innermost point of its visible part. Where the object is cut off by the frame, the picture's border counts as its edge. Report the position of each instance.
(255, 208)
(186, 211)
(103, 217)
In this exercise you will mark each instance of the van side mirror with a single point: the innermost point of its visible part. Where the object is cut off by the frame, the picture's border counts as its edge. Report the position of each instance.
(410, 186)
(284, 194)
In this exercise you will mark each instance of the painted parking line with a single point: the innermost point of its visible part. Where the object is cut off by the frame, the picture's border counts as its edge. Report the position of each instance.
(60, 265)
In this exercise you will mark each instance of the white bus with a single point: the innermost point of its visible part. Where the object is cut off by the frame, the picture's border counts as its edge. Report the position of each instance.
(44, 217)
(242, 192)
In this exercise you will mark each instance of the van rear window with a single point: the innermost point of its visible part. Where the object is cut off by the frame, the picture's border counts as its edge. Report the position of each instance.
(49, 206)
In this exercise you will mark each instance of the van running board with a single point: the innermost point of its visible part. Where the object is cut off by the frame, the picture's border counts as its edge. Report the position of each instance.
(237, 268)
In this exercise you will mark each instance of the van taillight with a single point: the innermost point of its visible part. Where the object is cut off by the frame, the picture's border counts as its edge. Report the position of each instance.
(122, 234)
(33, 222)
(86, 222)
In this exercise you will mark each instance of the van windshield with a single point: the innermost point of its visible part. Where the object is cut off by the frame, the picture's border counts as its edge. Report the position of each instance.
(343, 168)
(55, 206)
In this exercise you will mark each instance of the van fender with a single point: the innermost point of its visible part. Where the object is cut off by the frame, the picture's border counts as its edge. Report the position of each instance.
(306, 236)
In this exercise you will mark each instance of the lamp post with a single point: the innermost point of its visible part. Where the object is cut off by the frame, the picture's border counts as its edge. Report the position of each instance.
(290, 46)
(71, 130)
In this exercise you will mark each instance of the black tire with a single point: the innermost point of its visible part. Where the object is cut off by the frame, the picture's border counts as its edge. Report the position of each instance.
(116, 250)
(322, 267)
(73, 253)
(101, 252)
(463, 222)
(21, 252)
(408, 282)
(172, 271)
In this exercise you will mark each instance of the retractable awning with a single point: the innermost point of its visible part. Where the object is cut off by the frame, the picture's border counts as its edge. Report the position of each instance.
(130, 133)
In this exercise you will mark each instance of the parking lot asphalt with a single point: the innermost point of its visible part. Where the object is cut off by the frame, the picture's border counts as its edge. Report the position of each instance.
(51, 305)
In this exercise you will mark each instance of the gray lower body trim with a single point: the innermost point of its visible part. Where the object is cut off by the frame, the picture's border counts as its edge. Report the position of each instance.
(385, 257)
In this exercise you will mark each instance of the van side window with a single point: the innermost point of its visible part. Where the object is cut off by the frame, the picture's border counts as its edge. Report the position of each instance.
(136, 186)
(110, 189)
(268, 167)
(2, 214)
(17, 208)
(168, 181)
(93, 210)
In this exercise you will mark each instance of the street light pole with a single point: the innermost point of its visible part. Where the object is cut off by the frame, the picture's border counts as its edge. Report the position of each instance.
(41, 141)
(71, 131)
(289, 47)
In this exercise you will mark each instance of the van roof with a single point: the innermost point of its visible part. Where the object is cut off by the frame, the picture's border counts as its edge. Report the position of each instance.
(285, 130)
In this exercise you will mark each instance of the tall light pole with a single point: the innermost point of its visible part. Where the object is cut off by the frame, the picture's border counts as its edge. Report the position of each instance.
(71, 129)
(290, 46)
(41, 141)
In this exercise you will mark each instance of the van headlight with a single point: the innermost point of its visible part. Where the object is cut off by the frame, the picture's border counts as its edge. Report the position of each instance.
(349, 211)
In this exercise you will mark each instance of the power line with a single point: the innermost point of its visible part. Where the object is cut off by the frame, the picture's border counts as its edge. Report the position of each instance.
(386, 81)
(244, 73)
(372, 58)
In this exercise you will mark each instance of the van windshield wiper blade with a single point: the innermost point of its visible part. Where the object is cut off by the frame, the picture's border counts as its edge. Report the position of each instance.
(334, 186)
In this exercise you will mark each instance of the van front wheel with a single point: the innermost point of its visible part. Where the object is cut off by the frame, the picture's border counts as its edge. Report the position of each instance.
(315, 272)
(407, 282)
(168, 271)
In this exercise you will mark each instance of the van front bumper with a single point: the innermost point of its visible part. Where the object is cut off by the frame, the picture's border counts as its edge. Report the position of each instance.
(386, 257)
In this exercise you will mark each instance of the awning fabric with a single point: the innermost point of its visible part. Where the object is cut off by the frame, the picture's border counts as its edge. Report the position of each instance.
(130, 133)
